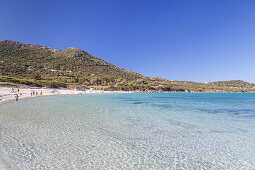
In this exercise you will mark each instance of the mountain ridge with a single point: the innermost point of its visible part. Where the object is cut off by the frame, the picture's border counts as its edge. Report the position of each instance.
(42, 66)
(63, 57)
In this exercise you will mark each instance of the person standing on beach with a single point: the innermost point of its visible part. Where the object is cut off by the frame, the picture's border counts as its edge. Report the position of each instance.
(40, 93)
(16, 97)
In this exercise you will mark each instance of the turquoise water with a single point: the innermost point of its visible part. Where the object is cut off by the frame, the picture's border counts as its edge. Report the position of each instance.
(129, 131)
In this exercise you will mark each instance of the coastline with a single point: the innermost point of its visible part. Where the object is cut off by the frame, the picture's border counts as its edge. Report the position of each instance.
(85, 126)
(7, 94)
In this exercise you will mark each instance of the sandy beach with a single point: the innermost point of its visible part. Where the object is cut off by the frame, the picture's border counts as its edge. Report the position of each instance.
(9, 94)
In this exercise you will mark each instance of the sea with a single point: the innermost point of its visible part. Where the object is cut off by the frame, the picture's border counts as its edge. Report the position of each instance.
(129, 131)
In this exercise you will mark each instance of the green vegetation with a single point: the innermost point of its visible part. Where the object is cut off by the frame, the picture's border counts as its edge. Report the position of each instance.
(35, 65)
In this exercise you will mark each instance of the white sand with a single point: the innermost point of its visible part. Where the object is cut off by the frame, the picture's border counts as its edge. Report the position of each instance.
(6, 93)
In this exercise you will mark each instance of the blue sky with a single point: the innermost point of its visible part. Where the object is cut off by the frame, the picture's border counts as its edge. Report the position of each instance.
(196, 40)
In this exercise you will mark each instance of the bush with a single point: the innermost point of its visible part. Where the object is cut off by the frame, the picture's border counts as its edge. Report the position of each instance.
(36, 76)
(53, 85)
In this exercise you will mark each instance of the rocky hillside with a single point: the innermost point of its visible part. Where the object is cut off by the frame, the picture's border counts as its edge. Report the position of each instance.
(37, 65)
(23, 60)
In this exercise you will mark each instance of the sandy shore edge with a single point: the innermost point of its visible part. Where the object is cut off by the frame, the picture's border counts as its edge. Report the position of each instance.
(9, 94)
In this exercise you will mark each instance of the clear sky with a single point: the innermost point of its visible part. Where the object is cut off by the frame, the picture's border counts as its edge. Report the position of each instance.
(196, 40)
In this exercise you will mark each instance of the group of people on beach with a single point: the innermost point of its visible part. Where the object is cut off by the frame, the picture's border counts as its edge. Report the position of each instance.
(35, 93)
(18, 93)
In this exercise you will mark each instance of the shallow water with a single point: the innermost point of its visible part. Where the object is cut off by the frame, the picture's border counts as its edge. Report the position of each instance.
(129, 131)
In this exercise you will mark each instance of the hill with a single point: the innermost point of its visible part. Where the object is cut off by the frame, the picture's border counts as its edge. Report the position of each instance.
(71, 66)
(37, 65)
(70, 62)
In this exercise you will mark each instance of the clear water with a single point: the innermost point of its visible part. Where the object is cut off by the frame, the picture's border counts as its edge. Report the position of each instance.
(129, 131)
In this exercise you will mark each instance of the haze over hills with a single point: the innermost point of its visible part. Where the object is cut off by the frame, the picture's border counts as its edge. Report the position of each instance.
(43, 66)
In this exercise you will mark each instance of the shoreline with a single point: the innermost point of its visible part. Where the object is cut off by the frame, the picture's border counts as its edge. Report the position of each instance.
(35, 135)
(8, 94)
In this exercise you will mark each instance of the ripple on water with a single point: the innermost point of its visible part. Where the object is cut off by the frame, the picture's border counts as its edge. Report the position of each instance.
(128, 132)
